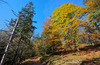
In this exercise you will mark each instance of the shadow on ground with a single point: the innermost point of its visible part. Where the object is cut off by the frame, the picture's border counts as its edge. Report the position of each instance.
(86, 48)
(32, 63)
(95, 61)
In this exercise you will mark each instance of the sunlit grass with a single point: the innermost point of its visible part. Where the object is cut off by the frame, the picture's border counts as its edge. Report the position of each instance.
(74, 57)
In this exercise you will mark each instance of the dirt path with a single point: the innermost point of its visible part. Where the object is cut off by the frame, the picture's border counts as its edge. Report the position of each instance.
(32, 61)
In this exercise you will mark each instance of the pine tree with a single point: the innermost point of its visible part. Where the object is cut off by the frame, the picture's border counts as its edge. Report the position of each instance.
(25, 30)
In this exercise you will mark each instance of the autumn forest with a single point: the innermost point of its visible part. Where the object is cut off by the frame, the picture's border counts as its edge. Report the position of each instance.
(70, 36)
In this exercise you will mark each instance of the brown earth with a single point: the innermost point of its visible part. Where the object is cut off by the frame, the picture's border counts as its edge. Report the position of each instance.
(32, 61)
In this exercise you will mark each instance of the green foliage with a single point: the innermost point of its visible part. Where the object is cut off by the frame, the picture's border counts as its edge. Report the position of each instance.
(25, 30)
(41, 47)
(93, 12)
(69, 26)
(93, 19)
(48, 60)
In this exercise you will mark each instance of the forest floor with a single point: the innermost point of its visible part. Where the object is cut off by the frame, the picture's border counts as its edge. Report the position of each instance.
(32, 61)
(88, 55)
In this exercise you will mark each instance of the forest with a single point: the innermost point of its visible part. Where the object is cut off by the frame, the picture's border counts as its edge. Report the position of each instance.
(70, 36)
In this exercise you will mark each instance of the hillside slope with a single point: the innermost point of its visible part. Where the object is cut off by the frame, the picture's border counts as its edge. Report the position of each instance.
(89, 55)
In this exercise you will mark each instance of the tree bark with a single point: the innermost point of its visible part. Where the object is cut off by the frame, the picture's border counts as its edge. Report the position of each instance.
(10, 40)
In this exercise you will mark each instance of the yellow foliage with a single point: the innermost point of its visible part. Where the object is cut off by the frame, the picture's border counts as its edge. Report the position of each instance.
(66, 22)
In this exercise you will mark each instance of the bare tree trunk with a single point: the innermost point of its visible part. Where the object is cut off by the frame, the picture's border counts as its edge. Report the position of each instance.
(16, 52)
(10, 40)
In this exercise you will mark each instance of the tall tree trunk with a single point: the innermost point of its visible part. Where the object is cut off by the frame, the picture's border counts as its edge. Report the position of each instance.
(16, 52)
(10, 40)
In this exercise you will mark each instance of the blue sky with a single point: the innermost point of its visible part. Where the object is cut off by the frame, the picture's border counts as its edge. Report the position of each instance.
(43, 9)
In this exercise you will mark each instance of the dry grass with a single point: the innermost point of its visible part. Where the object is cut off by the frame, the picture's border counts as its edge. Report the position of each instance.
(87, 53)
(86, 56)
